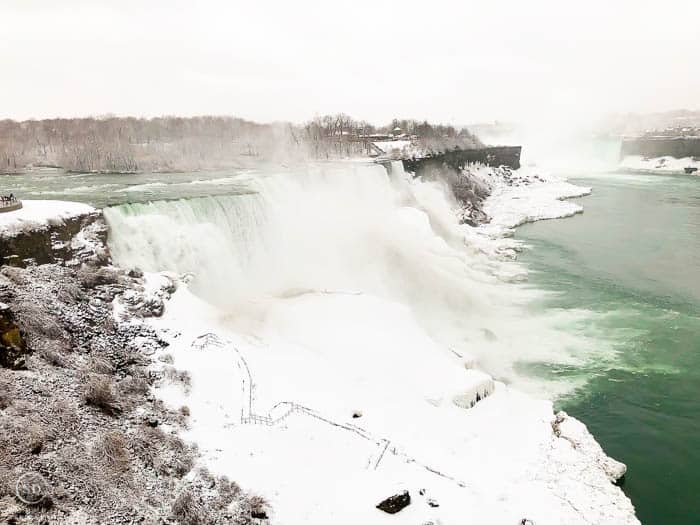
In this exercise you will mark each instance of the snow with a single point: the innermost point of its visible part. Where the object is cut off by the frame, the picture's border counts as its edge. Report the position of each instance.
(498, 462)
(388, 146)
(659, 164)
(277, 375)
(512, 206)
(40, 214)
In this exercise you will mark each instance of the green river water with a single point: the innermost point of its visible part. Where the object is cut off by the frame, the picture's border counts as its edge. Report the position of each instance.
(633, 259)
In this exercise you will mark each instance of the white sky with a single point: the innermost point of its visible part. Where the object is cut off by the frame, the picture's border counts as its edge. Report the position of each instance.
(459, 61)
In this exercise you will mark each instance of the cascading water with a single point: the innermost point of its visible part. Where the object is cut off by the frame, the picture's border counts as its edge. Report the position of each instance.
(346, 228)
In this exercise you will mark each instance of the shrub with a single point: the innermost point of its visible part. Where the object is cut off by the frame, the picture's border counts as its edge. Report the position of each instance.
(91, 276)
(69, 293)
(258, 507)
(35, 438)
(5, 395)
(134, 385)
(112, 447)
(16, 275)
(99, 392)
(182, 377)
(54, 358)
(100, 365)
(34, 319)
(187, 510)
(166, 358)
(64, 417)
(228, 491)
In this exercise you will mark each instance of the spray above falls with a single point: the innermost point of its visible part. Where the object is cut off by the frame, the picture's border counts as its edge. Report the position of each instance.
(351, 228)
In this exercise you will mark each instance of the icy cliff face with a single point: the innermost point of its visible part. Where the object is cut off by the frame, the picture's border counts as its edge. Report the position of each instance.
(348, 339)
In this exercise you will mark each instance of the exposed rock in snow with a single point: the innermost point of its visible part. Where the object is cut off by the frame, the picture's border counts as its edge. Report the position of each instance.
(52, 231)
(395, 503)
(13, 347)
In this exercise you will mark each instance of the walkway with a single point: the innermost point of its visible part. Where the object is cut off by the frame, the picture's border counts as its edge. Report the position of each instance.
(284, 409)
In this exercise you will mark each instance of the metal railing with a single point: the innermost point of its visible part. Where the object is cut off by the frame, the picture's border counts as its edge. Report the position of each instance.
(9, 204)
(287, 408)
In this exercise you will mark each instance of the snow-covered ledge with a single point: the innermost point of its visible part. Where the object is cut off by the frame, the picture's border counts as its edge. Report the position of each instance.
(46, 231)
(35, 214)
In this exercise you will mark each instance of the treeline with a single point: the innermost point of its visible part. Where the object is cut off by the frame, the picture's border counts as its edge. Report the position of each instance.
(116, 144)
(331, 134)
(131, 144)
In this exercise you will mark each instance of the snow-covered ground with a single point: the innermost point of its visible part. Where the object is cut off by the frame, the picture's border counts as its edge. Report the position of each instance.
(327, 400)
(40, 213)
(390, 146)
(659, 164)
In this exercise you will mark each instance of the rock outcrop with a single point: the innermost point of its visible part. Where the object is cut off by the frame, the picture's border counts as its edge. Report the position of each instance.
(79, 238)
(395, 503)
(13, 345)
(458, 159)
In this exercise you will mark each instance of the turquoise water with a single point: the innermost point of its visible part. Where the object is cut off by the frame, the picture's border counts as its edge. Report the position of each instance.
(633, 259)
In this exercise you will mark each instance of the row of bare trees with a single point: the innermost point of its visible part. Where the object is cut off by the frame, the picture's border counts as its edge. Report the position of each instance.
(116, 144)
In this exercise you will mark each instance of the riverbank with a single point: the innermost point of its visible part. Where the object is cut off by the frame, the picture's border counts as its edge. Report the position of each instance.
(662, 165)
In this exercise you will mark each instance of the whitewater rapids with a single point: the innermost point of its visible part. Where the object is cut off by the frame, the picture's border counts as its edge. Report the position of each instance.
(351, 289)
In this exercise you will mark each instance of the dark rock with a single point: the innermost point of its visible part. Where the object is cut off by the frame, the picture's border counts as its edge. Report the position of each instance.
(433, 503)
(91, 276)
(258, 514)
(395, 503)
(13, 345)
(492, 156)
(52, 242)
(136, 273)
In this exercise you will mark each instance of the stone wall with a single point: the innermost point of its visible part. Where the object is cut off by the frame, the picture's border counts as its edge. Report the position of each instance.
(679, 147)
(491, 156)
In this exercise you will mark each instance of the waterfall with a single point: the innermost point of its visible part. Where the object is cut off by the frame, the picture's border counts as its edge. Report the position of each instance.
(348, 228)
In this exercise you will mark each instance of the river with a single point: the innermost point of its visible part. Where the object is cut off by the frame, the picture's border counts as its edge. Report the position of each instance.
(633, 259)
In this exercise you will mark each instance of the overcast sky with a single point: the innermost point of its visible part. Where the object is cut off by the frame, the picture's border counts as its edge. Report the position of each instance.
(460, 61)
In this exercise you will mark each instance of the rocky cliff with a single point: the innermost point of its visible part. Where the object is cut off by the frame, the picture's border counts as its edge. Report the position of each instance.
(459, 170)
(54, 241)
(508, 156)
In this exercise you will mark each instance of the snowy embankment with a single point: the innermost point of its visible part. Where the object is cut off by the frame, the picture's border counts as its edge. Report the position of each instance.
(667, 165)
(38, 214)
(327, 400)
(45, 231)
